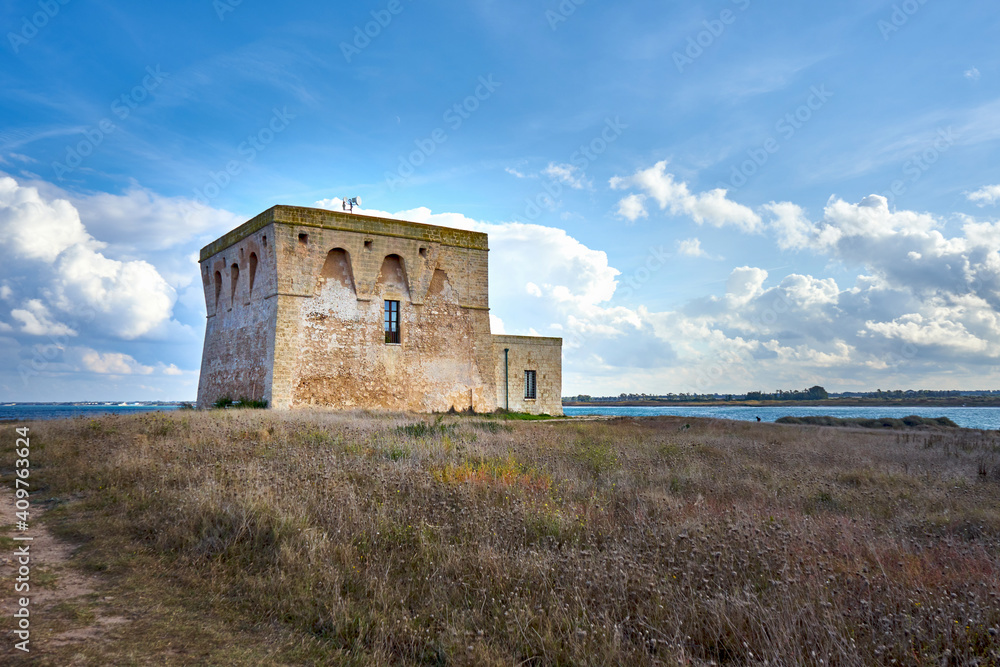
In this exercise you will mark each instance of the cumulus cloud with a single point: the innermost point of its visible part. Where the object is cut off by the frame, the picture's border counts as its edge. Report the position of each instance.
(807, 292)
(127, 299)
(633, 207)
(74, 283)
(790, 225)
(38, 229)
(112, 363)
(918, 330)
(905, 249)
(141, 218)
(36, 320)
(986, 195)
(744, 284)
(712, 207)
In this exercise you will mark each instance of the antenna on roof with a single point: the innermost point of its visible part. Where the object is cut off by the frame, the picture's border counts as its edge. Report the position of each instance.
(349, 204)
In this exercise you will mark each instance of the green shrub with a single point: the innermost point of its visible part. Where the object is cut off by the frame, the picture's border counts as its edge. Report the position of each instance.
(243, 402)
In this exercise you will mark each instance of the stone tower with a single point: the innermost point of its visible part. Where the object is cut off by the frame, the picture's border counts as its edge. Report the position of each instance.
(308, 307)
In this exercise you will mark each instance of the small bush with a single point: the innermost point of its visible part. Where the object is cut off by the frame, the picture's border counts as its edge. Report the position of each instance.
(226, 402)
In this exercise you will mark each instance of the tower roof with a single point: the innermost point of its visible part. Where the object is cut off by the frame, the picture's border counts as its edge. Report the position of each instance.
(301, 216)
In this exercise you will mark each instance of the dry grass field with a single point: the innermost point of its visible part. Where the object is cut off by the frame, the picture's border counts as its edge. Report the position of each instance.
(255, 537)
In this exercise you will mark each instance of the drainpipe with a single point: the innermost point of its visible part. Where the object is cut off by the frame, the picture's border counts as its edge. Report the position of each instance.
(506, 380)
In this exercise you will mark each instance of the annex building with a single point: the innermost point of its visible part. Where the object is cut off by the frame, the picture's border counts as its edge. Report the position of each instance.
(309, 307)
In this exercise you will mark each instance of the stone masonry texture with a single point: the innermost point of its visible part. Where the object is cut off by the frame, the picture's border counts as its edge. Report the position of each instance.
(296, 300)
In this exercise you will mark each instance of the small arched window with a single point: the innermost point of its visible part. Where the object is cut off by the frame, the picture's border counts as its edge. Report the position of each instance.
(235, 273)
(218, 287)
(253, 270)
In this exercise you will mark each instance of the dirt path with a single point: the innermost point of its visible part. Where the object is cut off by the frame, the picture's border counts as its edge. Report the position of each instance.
(55, 582)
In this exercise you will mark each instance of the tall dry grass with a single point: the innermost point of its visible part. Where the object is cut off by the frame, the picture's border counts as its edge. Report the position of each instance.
(469, 541)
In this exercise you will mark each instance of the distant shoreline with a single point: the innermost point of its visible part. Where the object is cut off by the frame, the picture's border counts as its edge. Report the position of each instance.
(956, 402)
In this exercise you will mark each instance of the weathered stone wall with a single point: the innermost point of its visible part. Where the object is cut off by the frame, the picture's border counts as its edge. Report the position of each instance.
(239, 283)
(337, 355)
(310, 332)
(529, 353)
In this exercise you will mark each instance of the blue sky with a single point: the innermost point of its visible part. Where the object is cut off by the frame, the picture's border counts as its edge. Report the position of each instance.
(703, 196)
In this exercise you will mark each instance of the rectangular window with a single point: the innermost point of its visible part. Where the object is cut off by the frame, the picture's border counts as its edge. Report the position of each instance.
(530, 388)
(392, 333)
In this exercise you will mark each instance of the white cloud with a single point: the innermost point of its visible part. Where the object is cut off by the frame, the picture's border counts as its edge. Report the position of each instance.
(496, 325)
(972, 74)
(633, 207)
(744, 284)
(533, 289)
(36, 229)
(515, 173)
(140, 218)
(172, 370)
(569, 174)
(919, 330)
(127, 299)
(36, 320)
(790, 224)
(986, 195)
(807, 292)
(691, 248)
(712, 207)
(47, 244)
(111, 363)
(907, 250)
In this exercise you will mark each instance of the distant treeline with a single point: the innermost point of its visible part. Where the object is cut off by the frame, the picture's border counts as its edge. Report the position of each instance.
(910, 393)
(816, 393)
